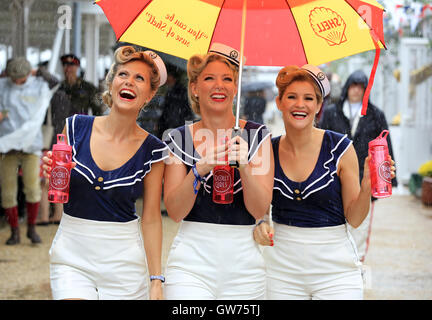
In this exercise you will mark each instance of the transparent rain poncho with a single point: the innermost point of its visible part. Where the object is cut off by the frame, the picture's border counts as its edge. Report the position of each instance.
(26, 107)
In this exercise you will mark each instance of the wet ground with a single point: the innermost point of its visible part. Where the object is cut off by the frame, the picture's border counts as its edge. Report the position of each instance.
(398, 264)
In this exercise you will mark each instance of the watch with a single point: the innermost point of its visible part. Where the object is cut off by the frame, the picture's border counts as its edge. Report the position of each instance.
(161, 278)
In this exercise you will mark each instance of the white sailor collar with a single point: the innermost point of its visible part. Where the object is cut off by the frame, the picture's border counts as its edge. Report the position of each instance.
(333, 147)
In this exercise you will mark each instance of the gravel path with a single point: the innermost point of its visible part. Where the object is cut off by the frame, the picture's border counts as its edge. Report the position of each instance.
(398, 264)
(399, 259)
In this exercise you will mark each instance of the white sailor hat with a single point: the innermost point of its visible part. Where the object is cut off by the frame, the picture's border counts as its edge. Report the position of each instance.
(319, 77)
(159, 64)
(231, 54)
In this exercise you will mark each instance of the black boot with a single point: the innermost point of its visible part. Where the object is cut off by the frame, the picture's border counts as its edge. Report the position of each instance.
(32, 235)
(15, 237)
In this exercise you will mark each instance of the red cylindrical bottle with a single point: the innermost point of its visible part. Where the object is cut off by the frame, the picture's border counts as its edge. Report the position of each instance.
(58, 191)
(379, 167)
(223, 183)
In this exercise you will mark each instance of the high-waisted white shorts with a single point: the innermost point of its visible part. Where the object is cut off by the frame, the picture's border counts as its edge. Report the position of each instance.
(98, 260)
(212, 261)
(313, 263)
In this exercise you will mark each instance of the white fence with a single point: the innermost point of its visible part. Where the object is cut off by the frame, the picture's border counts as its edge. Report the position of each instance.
(414, 136)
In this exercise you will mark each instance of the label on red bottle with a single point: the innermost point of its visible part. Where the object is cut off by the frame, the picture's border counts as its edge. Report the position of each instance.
(222, 181)
(59, 178)
(384, 171)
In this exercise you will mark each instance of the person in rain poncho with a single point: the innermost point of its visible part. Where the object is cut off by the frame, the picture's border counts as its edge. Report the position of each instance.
(24, 100)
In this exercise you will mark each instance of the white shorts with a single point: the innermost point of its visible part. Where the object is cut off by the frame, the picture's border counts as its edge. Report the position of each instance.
(313, 263)
(214, 261)
(98, 260)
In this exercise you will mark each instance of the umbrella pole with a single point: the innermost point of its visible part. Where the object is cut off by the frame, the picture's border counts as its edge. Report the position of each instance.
(243, 28)
(236, 129)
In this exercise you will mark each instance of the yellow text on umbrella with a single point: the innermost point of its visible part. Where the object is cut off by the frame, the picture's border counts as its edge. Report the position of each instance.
(170, 27)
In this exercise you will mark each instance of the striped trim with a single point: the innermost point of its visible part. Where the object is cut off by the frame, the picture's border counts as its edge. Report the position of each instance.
(114, 183)
(179, 149)
(331, 174)
(149, 163)
(325, 165)
(318, 81)
(281, 181)
(231, 60)
(207, 186)
(251, 145)
(124, 178)
(84, 175)
(280, 190)
(305, 194)
(74, 151)
(250, 157)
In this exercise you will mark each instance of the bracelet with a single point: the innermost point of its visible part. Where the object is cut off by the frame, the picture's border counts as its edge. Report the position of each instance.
(197, 178)
(259, 222)
(161, 278)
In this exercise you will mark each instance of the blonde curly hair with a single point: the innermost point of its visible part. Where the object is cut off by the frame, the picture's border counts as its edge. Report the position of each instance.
(196, 64)
(121, 56)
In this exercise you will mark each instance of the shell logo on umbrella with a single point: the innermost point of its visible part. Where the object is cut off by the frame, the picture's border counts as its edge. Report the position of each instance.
(328, 25)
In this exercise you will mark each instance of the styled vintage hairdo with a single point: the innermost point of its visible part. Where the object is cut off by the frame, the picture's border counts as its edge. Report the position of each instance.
(128, 53)
(290, 74)
(196, 65)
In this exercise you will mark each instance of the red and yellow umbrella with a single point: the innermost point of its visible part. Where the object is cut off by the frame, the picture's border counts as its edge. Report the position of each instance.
(267, 32)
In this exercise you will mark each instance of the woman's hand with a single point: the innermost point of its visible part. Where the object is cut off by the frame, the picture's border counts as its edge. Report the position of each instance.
(366, 181)
(48, 163)
(238, 150)
(392, 168)
(263, 234)
(213, 157)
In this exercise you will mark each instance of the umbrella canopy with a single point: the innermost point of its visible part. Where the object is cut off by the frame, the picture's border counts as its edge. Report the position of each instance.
(277, 32)
(267, 32)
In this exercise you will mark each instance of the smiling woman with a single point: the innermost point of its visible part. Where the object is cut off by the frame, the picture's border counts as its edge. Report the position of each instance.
(212, 233)
(116, 162)
(128, 54)
(316, 193)
(131, 85)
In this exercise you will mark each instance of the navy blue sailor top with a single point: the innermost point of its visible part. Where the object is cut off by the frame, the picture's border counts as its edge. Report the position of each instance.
(180, 143)
(317, 201)
(101, 195)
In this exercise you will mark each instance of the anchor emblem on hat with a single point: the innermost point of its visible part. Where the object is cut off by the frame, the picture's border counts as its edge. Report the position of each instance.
(152, 55)
(234, 54)
(321, 76)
